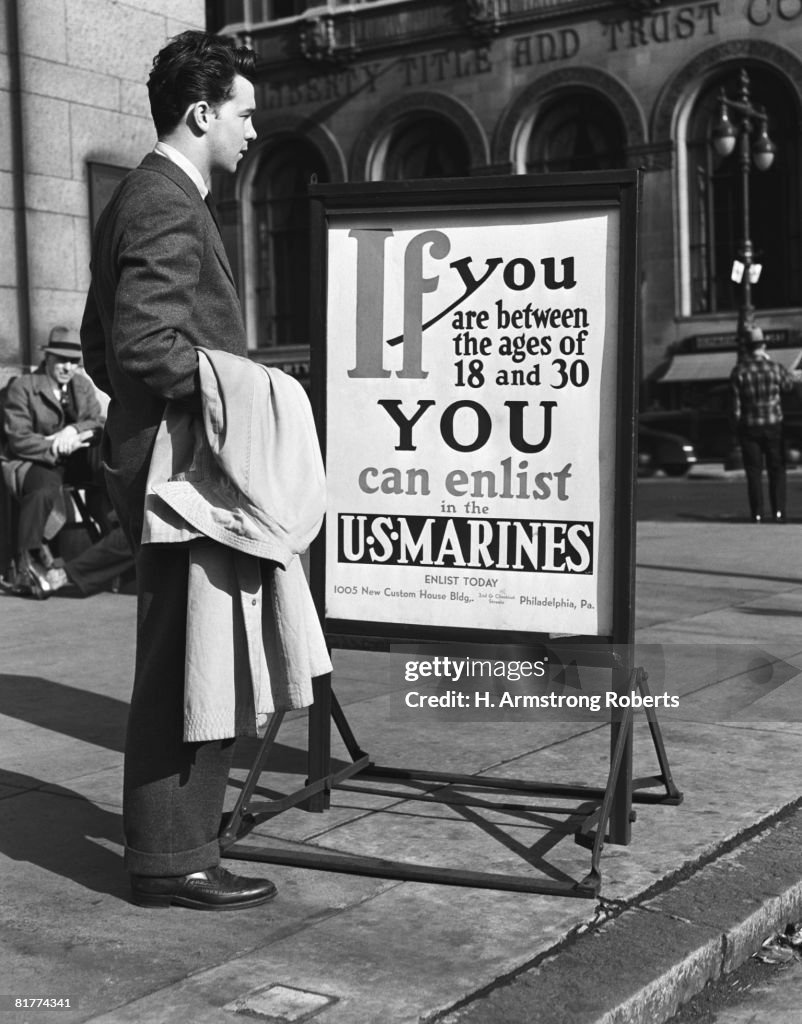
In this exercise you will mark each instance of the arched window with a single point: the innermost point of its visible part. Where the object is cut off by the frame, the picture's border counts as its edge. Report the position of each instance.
(715, 202)
(281, 242)
(576, 132)
(426, 147)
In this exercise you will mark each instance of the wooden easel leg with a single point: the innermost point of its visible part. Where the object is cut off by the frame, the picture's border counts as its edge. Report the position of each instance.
(621, 746)
(343, 727)
(621, 776)
(230, 825)
(657, 739)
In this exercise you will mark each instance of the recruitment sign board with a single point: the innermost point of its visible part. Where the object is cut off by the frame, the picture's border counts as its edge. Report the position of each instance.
(474, 371)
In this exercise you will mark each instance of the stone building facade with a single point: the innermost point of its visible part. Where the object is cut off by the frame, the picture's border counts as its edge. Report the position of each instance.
(374, 90)
(74, 115)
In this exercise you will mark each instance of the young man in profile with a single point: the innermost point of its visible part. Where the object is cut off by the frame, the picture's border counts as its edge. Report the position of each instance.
(162, 285)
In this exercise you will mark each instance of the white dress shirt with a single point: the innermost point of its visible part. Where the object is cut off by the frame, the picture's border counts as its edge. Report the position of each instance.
(171, 153)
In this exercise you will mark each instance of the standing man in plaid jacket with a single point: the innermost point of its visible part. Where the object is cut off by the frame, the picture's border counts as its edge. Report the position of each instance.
(757, 384)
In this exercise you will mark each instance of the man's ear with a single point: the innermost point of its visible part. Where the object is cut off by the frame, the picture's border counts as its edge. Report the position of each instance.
(198, 117)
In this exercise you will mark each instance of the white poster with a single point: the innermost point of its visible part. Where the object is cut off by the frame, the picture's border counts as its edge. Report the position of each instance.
(470, 418)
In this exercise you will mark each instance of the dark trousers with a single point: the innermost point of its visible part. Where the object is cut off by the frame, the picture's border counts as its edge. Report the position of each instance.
(173, 792)
(759, 444)
(40, 495)
(107, 558)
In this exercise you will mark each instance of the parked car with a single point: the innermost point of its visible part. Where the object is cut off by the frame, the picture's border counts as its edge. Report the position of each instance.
(659, 449)
(710, 430)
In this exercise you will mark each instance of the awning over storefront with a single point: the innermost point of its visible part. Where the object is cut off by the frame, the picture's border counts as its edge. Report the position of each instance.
(718, 365)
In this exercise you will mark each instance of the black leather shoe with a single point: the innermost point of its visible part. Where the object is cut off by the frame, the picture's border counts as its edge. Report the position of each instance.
(213, 889)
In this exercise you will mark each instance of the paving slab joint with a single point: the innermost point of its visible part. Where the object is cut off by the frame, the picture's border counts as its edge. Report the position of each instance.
(606, 911)
(693, 867)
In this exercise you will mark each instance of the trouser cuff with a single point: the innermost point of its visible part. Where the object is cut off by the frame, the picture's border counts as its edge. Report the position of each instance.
(180, 862)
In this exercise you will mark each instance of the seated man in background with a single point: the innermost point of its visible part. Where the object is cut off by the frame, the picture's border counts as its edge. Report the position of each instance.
(51, 417)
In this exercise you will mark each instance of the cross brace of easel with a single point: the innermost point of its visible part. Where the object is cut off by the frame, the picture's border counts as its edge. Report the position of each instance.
(591, 821)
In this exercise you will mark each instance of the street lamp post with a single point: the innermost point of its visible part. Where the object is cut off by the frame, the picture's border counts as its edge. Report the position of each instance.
(750, 133)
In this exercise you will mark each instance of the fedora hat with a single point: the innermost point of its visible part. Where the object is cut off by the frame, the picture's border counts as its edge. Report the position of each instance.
(63, 343)
(755, 335)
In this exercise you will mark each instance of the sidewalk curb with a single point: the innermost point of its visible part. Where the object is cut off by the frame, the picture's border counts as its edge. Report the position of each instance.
(642, 965)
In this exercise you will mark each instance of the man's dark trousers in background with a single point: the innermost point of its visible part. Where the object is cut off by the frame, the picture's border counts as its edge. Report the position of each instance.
(759, 443)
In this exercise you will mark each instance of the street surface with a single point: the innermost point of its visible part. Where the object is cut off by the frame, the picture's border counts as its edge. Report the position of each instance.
(756, 993)
(707, 495)
(362, 949)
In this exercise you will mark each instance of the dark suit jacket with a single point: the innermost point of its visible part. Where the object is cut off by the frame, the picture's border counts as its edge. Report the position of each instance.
(161, 285)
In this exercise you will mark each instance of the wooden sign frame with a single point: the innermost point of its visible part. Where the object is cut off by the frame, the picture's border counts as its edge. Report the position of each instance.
(379, 255)
(576, 199)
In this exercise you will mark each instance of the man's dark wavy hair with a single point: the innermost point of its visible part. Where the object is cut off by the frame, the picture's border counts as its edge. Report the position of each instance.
(194, 66)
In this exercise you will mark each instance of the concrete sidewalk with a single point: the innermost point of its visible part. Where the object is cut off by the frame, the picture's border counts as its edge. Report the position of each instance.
(718, 608)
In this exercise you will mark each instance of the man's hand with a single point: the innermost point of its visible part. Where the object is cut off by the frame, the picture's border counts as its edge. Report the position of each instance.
(68, 440)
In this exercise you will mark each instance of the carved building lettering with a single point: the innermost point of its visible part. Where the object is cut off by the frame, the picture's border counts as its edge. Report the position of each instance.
(545, 47)
(761, 12)
(431, 68)
(407, 72)
(664, 26)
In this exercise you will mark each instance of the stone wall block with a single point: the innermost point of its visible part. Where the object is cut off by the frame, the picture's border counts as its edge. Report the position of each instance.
(113, 39)
(51, 253)
(6, 192)
(10, 341)
(91, 88)
(43, 28)
(56, 195)
(176, 24)
(51, 307)
(8, 254)
(134, 99)
(46, 131)
(191, 13)
(82, 237)
(109, 138)
(5, 130)
(3, 30)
